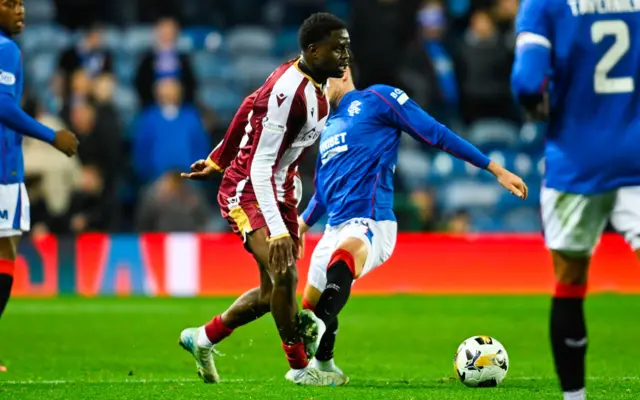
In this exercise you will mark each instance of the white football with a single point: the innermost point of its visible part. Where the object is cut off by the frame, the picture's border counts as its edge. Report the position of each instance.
(481, 361)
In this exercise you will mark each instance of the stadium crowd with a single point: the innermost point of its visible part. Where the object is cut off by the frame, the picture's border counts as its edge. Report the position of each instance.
(151, 85)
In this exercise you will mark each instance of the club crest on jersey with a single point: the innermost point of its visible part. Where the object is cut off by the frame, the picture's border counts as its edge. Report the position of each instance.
(354, 108)
(7, 78)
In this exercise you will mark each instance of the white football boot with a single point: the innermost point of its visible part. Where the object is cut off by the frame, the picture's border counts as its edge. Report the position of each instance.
(202, 354)
(310, 328)
(326, 366)
(314, 377)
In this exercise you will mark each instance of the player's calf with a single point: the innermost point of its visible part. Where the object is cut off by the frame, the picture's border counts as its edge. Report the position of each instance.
(568, 327)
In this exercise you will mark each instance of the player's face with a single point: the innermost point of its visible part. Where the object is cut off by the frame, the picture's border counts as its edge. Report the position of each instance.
(332, 56)
(12, 16)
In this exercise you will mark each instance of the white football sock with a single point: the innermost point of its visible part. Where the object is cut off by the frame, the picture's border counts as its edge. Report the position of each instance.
(575, 395)
(203, 340)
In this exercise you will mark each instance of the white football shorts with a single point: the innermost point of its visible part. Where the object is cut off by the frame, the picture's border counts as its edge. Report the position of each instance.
(379, 237)
(14, 210)
(574, 222)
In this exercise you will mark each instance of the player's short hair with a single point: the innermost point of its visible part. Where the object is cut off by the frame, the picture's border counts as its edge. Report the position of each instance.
(317, 28)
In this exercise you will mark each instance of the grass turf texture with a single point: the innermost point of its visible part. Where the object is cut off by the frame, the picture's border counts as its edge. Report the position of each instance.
(398, 347)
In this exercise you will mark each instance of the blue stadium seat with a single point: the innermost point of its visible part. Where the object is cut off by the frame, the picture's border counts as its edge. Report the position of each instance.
(521, 219)
(138, 39)
(493, 134)
(198, 38)
(248, 40)
(46, 37)
(251, 72)
(113, 37)
(125, 66)
(466, 193)
(41, 67)
(211, 67)
(127, 102)
(222, 99)
(287, 43)
(531, 137)
(40, 11)
(483, 220)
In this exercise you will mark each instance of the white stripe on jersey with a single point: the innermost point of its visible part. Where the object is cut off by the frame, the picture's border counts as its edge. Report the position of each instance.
(526, 38)
(274, 127)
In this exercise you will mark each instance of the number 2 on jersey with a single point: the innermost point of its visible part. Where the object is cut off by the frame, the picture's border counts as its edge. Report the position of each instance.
(601, 81)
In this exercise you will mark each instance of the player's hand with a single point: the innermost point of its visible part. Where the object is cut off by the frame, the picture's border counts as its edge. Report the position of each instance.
(66, 142)
(282, 254)
(200, 171)
(302, 230)
(510, 181)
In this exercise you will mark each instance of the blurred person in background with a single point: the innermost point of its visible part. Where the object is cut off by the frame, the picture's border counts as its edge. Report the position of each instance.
(90, 210)
(380, 31)
(172, 204)
(165, 61)
(88, 55)
(428, 70)
(168, 135)
(54, 175)
(459, 222)
(41, 218)
(417, 212)
(484, 62)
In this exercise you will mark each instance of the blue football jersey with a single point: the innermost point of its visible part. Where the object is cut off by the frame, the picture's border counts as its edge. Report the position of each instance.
(359, 151)
(11, 82)
(588, 51)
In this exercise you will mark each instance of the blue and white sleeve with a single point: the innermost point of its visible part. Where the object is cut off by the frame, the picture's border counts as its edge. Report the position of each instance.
(532, 65)
(400, 111)
(11, 115)
(314, 211)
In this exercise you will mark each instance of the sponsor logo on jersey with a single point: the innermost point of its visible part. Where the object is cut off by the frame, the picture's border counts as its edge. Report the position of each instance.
(4, 214)
(7, 78)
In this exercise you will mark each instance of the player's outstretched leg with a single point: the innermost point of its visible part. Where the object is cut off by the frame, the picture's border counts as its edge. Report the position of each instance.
(200, 342)
(8, 251)
(568, 328)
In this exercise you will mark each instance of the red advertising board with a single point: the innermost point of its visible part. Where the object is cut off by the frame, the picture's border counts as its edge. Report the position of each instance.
(217, 264)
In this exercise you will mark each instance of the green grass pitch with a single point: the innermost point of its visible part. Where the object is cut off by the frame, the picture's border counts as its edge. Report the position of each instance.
(396, 347)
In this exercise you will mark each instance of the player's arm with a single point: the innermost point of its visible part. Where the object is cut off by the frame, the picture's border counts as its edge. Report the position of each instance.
(400, 111)
(279, 119)
(226, 150)
(532, 64)
(13, 117)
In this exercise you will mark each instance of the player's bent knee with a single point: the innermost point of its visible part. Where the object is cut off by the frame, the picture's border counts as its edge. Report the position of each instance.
(571, 268)
(357, 250)
(310, 298)
(8, 247)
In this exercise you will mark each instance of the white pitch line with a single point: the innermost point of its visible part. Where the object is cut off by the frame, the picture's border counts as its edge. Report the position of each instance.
(184, 380)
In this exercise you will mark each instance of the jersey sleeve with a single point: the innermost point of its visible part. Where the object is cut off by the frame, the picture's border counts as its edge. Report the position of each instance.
(227, 149)
(9, 67)
(399, 111)
(316, 208)
(532, 62)
(11, 115)
(283, 111)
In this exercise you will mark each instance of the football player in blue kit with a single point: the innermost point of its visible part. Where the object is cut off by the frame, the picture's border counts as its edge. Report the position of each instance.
(576, 66)
(14, 123)
(354, 187)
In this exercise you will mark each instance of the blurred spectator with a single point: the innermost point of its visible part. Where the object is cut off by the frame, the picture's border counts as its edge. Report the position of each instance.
(380, 31)
(99, 146)
(459, 223)
(52, 173)
(485, 65)
(88, 55)
(90, 210)
(428, 72)
(169, 135)
(418, 212)
(165, 61)
(38, 211)
(172, 204)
